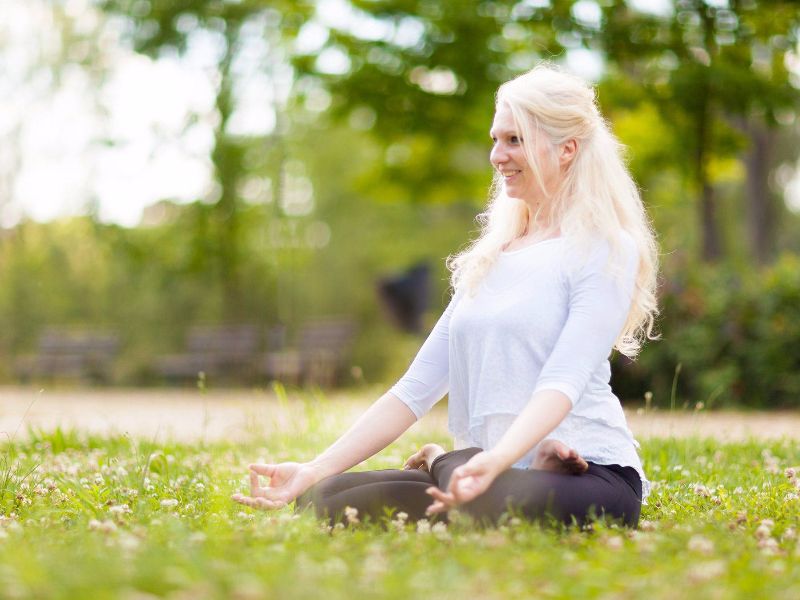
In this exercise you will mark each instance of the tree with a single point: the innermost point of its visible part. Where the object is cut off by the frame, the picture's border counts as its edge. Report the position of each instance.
(716, 73)
(713, 69)
(165, 25)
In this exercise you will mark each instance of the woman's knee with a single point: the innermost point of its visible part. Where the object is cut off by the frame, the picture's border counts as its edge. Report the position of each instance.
(444, 464)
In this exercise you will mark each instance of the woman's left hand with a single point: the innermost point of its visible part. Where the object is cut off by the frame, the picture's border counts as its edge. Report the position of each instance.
(467, 482)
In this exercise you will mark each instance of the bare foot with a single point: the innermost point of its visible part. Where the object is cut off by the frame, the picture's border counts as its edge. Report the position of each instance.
(556, 456)
(424, 457)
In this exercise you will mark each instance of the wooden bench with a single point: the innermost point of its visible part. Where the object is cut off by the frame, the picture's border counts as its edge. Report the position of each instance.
(226, 351)
(66, 352)
(322, 350)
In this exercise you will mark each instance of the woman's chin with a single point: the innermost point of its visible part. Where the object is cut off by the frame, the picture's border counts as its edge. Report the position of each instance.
(511, 192)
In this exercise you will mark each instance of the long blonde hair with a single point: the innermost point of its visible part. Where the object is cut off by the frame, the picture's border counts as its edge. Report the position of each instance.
(596, 197)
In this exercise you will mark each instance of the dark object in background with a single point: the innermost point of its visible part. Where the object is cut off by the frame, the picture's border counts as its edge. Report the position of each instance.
(71, 352)
(406, 296)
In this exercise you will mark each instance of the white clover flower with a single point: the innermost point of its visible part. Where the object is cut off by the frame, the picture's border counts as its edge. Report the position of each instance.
(646, 525)
(790, 473)
(106, 526)
(614, 542)
(122, 509)
(768, 546)
(702, 490)
(700, 544)
(169, 502)
(199, 486)
(707, 571)
(128, 541)
(439, 529)
(399, 521)
(423, 526)
(351, 514)
(763, 531)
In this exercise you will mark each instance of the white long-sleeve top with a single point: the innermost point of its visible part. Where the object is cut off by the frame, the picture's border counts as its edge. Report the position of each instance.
(544, 317)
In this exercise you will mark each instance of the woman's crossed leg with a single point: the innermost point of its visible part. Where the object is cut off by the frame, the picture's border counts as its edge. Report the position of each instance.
(532, 493)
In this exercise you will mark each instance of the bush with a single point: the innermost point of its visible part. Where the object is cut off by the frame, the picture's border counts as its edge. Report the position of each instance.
(729, 337)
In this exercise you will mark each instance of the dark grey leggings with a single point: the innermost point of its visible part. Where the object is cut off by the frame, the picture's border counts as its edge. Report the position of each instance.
(609, 490)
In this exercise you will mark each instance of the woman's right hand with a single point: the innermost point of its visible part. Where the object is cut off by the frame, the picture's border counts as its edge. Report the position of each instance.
(424, 457)
(287, 481)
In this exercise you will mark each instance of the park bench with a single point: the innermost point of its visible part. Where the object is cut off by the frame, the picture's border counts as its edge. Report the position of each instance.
(65, 352)
(322, 350)
(226, 351)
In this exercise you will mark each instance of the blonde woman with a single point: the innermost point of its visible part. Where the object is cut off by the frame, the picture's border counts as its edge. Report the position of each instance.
(563, 273)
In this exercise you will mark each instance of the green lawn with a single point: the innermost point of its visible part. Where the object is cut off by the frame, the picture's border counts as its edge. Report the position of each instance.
(88, 517)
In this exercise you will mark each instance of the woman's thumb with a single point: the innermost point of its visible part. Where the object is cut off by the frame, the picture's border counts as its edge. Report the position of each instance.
(266, 470)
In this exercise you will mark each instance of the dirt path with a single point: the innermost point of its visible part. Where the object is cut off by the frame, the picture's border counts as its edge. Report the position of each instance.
(188, 415)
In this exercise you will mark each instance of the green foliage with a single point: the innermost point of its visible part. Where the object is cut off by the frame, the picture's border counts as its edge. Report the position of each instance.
(722, 517)
(732, 333)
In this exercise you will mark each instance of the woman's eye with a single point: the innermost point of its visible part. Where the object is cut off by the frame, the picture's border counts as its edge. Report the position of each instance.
(515, 139)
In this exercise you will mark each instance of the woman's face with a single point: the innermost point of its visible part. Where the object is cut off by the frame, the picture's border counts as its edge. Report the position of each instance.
(508, 157)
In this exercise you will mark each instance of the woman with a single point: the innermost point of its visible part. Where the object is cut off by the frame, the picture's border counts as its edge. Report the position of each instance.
(563, 272)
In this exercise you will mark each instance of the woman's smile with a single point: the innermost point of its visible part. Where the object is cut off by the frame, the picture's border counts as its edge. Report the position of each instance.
(510, 175)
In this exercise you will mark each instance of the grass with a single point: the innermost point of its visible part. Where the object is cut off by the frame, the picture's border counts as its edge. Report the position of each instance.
(114, 517)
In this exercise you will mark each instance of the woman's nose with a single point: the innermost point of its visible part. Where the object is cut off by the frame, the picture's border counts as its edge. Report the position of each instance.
(497, 156)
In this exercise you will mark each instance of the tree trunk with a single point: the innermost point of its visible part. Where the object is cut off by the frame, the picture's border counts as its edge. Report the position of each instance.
(712, 246)
(228, 166)
(759, 204)
(709, 225)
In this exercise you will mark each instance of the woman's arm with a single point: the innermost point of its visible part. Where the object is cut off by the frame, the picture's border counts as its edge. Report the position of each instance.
(546, 409)
(382, 423)
(418, 390)
(379, 426)
(422, 386)
(542, 415)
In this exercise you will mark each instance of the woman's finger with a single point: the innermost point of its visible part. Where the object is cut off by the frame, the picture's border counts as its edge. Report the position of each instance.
(269, 504)
(255, 485)
(262, 469)
(436, 507)
(439, 495)
(413, 461)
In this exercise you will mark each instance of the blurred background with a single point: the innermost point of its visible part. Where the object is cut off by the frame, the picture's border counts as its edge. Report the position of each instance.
(229, 193)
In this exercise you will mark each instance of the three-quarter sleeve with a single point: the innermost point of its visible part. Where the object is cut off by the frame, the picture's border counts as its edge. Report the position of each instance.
(599, 302)
(427, 379)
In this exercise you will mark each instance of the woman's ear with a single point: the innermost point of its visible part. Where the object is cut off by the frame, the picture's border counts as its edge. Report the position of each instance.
(568, 151)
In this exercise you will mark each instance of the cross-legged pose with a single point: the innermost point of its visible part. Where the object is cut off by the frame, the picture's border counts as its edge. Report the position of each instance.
(562, 273)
